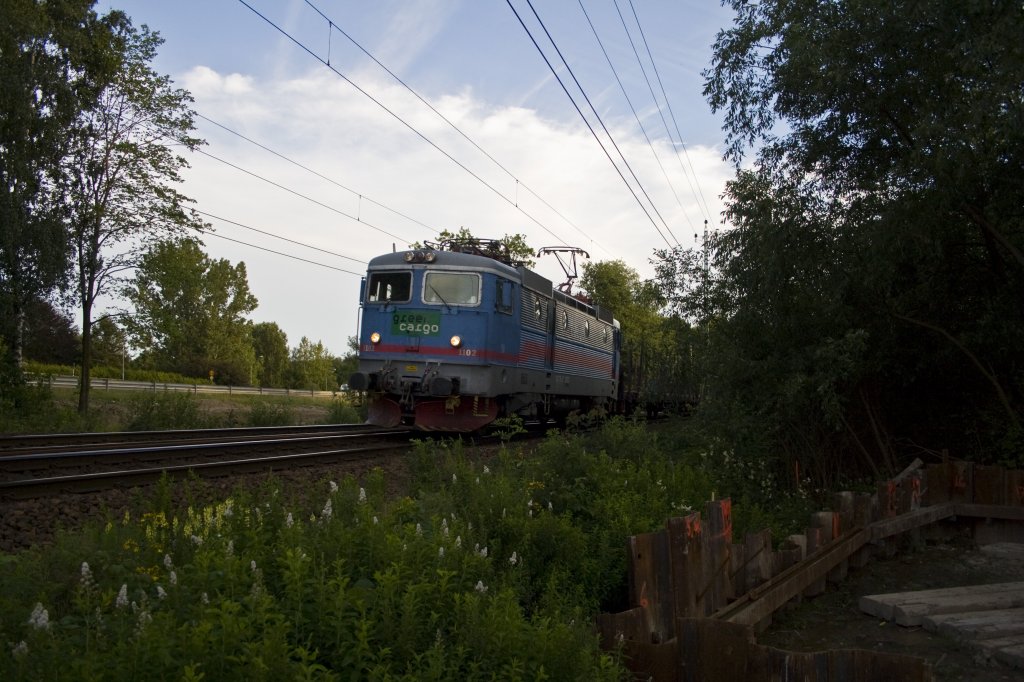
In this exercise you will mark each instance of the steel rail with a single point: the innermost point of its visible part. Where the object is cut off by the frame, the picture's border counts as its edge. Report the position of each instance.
(89, 481)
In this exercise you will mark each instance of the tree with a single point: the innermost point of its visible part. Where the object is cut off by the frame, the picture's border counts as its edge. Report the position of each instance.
(119, 177)
(189, 312)
(271, 346)
(312, 367)
(45, 77)
(870, 296)
(109, 343)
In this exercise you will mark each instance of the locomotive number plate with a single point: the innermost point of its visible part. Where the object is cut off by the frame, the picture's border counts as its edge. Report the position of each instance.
(416, 323)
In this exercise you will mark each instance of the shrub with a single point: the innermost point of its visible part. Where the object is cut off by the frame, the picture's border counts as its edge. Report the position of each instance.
(151, 411)
(269, 413)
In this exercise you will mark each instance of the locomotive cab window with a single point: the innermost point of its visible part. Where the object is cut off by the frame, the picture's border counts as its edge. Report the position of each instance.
(390, 286)
(503, 296)
(451, 288)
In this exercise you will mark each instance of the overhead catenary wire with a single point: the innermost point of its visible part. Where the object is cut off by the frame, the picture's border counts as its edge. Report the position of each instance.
(694, 183)
(318, 174)
(635, 115)
(518, 183)
(280, 253)
(303, 196)
(671, 113)
(277, 236)
(587, 122)
(402, 121)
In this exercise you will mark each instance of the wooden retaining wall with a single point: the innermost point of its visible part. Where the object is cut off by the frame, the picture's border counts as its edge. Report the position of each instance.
(696, 595)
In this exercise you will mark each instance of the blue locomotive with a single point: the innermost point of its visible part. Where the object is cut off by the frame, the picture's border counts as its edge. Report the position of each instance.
(457, 334)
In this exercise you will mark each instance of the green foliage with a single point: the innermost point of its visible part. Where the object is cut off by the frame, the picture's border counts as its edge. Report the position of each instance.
(270, 344)
(131, 374)
(152, 411)
(189, 313)
(865, 304)
(268, 413)
(492, 571)
(312, 367)
(45, 68)
(342, 411)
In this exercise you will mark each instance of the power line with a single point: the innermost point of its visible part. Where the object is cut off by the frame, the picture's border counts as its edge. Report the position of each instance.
(317, 173)
(702, 203)
(277, 236)
(401, 120)
(334, 26)
(286, 255)
(303, 196)
(590, 127)
(635, 115)
(668, 104)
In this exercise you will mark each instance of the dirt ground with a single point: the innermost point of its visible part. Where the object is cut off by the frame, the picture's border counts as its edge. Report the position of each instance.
(833, 620)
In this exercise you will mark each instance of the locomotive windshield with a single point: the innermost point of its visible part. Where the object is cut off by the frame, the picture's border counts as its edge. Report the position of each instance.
(451, 288)
(390, 286)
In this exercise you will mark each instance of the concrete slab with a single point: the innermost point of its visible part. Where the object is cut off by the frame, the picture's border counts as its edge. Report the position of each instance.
(907, 608)
(978, 624)
(1007, 650)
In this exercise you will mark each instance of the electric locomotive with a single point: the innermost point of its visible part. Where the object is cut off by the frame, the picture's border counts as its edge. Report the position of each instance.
(457, 334)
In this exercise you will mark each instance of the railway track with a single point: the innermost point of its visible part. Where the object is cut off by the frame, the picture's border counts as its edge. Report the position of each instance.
(91, 462)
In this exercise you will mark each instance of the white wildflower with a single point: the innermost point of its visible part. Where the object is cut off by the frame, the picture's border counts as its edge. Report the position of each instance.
(40, 618)
(550, 508)
(476, 548)
(144, 619)
(440, 552)
(478, 480)
(205, 598)
(20, 650)
(458, 541)
(168, 564)
(161, 592)
(196, 540)
(480, 587)
(486, 470)
(362, 496)
(444, 527)
(483, 553)
(419, 530)
(514, 559)
(122, 597)
(375, 521)
(173, 578)
(334, 487)
(328, 510)
(455, 479)
(252, 565)
(87, 580)
(230, 551)
(289, 521)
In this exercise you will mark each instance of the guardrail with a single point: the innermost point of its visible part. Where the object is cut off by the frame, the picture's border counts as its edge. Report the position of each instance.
(123, 385)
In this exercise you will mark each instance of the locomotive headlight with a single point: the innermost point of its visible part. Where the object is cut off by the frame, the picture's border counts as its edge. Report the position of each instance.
(430, 256)
(375, 338)
(456, 341)
(409, 256)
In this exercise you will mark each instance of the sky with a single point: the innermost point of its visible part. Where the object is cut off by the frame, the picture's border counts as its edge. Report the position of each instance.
(317, 159)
